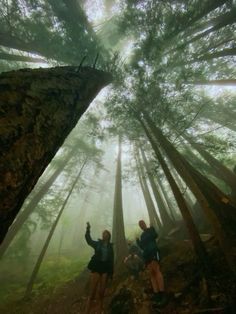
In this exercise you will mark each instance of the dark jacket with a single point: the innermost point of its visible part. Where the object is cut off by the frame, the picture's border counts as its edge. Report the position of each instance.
(97, 245)
(147, 242)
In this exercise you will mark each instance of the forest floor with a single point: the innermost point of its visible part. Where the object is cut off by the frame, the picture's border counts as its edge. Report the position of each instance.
(187, 290)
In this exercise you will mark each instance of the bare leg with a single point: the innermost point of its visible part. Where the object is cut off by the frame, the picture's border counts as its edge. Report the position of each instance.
(158, 275)
(94, 280)
(103, 282)
(153, 277)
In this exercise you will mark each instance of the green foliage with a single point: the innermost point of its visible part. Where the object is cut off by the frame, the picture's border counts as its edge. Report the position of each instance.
(175, 44)
(55, 272)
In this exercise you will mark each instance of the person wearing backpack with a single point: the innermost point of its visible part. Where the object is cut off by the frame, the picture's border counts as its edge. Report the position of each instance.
(101, 266)
(151, 256)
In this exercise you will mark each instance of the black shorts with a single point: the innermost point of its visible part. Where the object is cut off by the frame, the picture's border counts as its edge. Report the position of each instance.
(98, 267)
(154, 256)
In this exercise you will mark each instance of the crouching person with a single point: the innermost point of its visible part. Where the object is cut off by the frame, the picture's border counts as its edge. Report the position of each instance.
(134, 263)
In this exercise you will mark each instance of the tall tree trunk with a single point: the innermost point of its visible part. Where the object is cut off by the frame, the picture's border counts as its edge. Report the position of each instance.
(166, 198)
(192, 179)
(153, 217)
(216, 24)
(193, 207)
(7, 40)
(208, 25)
(38, 109)
(220, 118)
(193, 16)
(166, 219)
(49, 237)
(214, 55)
(118, 229)
(75, 21)
(11, 57)
(221, 171)
(193, 232)
(29, 208)
(226, 82)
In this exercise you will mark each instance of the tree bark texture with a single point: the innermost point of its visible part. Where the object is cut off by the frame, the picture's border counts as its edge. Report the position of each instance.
(36, 198)
(199, 187)
(193, 232)
(153, 217)
(38, 109)
(166, 219)
(220, 171)
(166, 198)
(118, 228)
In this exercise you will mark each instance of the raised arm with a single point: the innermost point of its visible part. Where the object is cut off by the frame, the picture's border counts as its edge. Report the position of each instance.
(88, 238)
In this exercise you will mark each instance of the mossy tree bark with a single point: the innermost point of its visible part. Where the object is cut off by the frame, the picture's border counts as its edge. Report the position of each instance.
(37, 197)
(38, 109)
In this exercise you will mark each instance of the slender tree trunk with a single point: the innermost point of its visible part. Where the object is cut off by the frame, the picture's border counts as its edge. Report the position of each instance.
(193, 232)
(208, 25)
(227, 82)
(7, 40)
(29, 208)
(39, 109)
(166, 198)
(196, 15)
(118, 229)
(221, 171)
(80, 218)
(216, 24)
(220, 118)
(214, 55)
(153, 217)
(166, 219)
(222, 204)
(62, 235)
(192, 178)
(11, 57)
(46, 244)
(196, 214)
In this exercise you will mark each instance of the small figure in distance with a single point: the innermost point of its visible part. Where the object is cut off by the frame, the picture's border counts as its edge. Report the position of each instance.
(101, 266)
(148, 245)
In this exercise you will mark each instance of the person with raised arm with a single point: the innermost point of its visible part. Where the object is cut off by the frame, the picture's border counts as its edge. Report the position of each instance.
(101, 267)
(151, 257)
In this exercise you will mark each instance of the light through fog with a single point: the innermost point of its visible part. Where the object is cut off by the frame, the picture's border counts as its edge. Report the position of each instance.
(91, 149)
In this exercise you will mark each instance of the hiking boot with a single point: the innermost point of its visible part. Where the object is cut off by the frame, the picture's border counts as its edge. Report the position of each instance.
(156, 297)
(162, 299)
